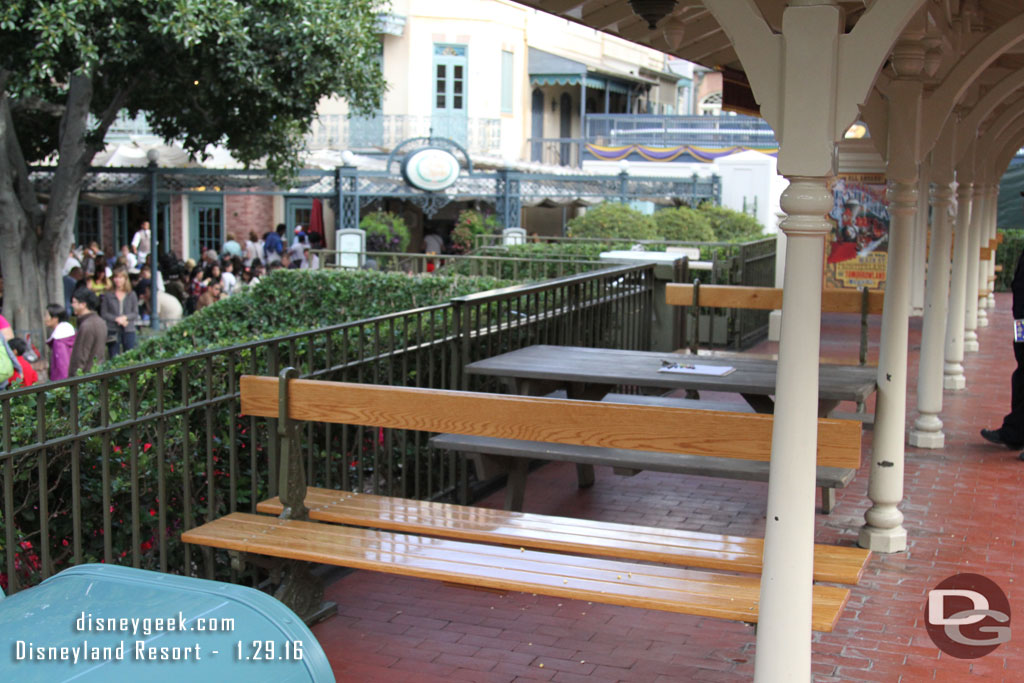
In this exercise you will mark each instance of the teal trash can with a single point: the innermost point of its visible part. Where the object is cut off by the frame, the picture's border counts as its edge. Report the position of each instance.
(101, 622)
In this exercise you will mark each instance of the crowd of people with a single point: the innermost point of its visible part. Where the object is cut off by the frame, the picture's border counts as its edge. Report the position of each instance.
(109, 298)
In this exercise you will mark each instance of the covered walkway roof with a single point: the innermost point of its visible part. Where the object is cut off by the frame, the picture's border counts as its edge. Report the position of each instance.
(939, 84)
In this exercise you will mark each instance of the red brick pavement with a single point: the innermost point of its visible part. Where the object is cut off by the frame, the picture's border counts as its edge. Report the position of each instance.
(961, 515)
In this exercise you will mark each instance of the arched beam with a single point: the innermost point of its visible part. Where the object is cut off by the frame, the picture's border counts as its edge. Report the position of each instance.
(999, 93)
(1005, 147)
(994, 132)
(862, 53)
(759, 50)
(967, 69)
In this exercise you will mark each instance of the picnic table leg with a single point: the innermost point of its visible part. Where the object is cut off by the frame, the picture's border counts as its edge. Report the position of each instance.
(515, 487)
(828, 499)
(760, 403)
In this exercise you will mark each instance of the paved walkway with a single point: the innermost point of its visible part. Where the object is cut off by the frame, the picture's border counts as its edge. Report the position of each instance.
(961, 510)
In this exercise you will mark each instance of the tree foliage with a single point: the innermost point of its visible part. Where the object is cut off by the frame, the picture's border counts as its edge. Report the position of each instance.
(246, 75)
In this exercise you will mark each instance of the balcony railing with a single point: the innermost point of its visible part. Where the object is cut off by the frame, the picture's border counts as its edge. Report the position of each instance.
(338, 131)
(672, 131)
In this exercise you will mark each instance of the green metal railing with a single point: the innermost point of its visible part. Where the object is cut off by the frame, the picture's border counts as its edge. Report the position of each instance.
(113, 466)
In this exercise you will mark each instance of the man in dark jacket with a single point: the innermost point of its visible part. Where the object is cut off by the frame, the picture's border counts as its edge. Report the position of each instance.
(91, 338)
(1011, 433)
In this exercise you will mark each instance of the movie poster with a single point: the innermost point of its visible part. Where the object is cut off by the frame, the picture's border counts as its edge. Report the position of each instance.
(857, 250)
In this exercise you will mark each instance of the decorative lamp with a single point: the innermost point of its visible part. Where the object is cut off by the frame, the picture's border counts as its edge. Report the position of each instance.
(674, 30)
(652, 11)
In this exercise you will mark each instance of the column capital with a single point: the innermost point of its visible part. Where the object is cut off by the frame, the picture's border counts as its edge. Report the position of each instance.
(806, 201)
(964, 191)
(941, 195)
(902, 198)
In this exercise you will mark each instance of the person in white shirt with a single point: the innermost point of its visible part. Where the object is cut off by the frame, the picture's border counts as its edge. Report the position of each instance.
(141, 242)
(298, 251)
(228, 281)
(130, 262)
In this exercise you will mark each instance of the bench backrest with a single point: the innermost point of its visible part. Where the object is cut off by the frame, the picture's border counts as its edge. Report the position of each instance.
(586, 423)
(865, 302)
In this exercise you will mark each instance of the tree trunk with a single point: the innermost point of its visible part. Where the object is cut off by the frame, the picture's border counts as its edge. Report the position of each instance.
(40, 241)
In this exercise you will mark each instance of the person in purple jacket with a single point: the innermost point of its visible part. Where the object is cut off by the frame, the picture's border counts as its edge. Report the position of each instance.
(61, 341)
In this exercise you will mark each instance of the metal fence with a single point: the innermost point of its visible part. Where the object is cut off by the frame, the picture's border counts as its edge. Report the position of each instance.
(493, 265)
(113, 466)
(667, 131)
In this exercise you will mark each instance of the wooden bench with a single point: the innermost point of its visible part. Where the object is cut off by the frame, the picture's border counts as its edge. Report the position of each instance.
(864, 302)
(292, 541)
(494, 457)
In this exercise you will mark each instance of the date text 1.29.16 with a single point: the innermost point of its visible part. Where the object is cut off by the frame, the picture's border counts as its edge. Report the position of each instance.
(268, 650)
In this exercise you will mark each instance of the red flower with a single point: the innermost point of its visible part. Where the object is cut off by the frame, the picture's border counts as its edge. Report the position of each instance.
(146, 447)
(152, 512)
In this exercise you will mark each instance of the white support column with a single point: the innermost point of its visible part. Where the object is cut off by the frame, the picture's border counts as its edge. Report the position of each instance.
(993, 216)
(884, 530)
(927, 431)
(982, 301)
(953, 369)
(919, 248)
(971, 291)
(788, 558)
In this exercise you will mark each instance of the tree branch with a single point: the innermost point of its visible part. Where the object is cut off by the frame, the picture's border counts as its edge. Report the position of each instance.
(38, 104)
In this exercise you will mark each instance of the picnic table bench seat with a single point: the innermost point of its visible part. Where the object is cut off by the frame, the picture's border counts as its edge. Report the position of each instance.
(450, 546)
(494, 456)
(700, 593)
(833, 564)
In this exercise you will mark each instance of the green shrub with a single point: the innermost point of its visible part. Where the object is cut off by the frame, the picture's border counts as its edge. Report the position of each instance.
(290, 300)
(468, 225)
(684, 224)
(1006, 256)
(208, 450)
(612, 220)
(732, 226)
(385, 231)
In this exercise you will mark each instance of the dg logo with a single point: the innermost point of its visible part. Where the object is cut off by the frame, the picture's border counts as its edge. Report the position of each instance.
(967, 616)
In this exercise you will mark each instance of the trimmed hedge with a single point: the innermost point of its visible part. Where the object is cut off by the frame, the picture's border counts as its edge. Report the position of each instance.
(684, 224)
(612, 220)
(732, 226)
(290, 300)
(385, 231)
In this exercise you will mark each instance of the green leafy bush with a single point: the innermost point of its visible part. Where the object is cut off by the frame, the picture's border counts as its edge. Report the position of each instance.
(385, 231)
(183, 416)
(1006, 256)
(732, 226)
(684, 224)
(468, 225)
(613, 220)
(290, 300)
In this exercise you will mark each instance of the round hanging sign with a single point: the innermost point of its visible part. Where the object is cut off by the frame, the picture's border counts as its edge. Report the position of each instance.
(431, 169)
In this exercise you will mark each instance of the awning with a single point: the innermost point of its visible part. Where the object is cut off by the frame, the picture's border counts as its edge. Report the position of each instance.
(569, 79)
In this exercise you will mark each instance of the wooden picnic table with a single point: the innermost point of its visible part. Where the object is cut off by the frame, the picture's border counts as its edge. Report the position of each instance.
(589, 374)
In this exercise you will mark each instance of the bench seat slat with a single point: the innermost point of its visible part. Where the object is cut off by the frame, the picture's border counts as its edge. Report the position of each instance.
(688, 548)
(699, 593)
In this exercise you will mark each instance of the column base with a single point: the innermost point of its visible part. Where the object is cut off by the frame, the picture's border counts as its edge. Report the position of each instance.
(920, 439)
(991, 301)
(774, 325)
(971, 346)
(982, 319)
(954, 382)
(883, 540)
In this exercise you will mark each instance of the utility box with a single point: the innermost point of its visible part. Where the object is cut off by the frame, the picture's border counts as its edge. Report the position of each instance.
(106, 623)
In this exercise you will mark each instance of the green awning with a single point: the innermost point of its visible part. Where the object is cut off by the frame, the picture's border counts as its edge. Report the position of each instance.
(556, 79)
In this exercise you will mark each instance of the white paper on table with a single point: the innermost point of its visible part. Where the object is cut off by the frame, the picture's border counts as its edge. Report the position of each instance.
(697, 369)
